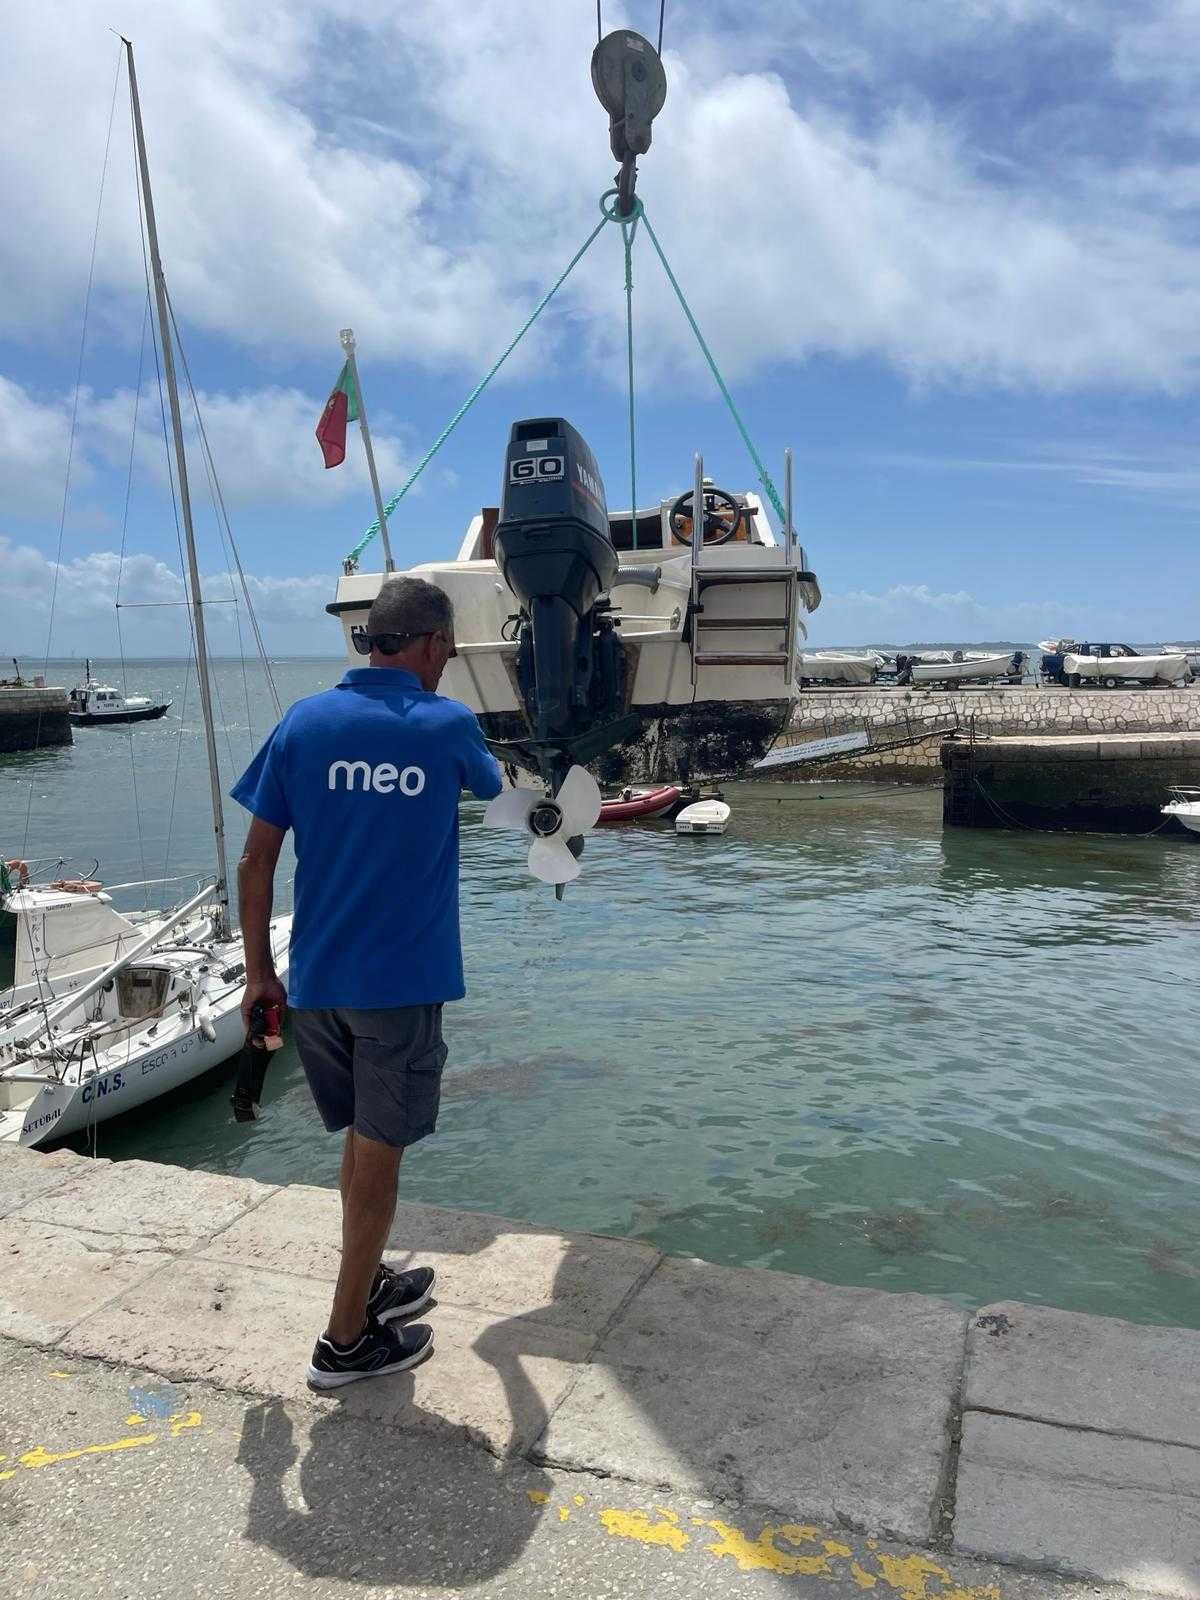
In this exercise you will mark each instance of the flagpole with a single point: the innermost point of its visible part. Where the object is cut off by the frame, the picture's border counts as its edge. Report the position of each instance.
(348, 345)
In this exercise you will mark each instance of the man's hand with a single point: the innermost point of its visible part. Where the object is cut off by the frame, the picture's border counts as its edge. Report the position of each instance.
(256, 877)
(269, 991)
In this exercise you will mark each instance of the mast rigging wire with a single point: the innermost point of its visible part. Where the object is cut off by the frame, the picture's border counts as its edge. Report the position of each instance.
(62, 519)
(223, 519)
(137, 397)
(190, 659)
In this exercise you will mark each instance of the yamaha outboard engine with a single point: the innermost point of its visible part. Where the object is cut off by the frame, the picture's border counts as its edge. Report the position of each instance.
(554, 547)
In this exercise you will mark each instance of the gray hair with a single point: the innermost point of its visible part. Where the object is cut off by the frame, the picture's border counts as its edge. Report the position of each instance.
(410, 607)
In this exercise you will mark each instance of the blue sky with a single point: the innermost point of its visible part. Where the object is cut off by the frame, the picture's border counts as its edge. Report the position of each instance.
(949, 253)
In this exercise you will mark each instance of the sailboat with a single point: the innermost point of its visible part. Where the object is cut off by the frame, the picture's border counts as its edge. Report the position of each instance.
(89, 1043)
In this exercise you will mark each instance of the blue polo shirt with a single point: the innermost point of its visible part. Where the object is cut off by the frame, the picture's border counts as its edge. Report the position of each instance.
(368, 777)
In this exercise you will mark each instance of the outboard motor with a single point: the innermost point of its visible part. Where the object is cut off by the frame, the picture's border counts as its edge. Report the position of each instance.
(554, 547)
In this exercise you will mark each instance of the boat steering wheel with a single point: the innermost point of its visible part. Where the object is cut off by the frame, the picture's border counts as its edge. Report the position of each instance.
(722, 516)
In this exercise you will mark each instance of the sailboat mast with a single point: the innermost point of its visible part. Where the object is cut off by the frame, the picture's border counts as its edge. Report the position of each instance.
(202, 666)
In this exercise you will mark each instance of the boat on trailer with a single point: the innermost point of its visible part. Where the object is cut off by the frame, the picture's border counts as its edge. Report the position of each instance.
(962, 666)
(840, 666)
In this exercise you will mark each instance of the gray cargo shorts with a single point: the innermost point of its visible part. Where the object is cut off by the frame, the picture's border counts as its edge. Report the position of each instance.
(379, 1072)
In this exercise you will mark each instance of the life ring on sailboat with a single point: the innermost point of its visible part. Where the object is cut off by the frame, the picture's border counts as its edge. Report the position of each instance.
(77, 885)
(19, 871)
(718, 505)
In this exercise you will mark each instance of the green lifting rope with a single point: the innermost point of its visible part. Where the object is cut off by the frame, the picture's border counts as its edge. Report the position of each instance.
(764, 477)
(628, 231)
(352, 559)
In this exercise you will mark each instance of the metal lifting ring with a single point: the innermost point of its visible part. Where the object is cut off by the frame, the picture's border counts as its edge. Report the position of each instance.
(612, 213)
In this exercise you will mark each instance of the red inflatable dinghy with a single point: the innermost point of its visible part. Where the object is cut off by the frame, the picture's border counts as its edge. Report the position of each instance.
(632, 805)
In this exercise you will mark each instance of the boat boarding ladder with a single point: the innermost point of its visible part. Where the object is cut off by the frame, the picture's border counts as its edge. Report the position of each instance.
(706, 577)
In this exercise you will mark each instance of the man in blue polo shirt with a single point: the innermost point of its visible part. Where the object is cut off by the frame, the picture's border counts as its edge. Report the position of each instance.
(368, 777)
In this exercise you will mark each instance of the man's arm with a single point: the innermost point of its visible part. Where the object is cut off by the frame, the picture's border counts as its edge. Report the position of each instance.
(481, 770)
(256, 886)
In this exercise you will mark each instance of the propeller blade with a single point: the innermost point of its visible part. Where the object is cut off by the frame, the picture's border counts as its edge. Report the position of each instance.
(579, 799)
(551, 861)
(511, 808)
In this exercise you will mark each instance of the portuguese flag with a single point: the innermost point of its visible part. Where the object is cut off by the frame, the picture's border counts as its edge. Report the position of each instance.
(340, 408)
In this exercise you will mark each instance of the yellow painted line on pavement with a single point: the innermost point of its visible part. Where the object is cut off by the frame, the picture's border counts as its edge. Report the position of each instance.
(39, 1456)
(637, 1525)
(788, 1549)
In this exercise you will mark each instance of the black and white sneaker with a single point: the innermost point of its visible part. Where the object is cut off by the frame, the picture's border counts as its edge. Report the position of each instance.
(376, 1352)
(399, 1294)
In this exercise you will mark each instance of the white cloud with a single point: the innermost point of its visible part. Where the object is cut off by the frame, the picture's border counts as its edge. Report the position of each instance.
(84, 593)
(915, 611)
(262, 442)
(422, 171)
(903, 597)
(33, 451)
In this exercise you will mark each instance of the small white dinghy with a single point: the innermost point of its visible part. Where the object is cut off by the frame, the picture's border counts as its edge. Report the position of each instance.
(703, 816)
(1184, 806)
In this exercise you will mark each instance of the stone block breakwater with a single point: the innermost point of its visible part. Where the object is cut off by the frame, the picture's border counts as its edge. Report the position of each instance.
(31, 718)
(889, 714)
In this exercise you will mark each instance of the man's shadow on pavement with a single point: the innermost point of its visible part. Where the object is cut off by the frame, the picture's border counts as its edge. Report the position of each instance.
(359, 1501)
(372, 1503)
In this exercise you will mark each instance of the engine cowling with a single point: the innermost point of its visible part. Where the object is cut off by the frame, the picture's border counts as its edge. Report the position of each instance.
(554, 547)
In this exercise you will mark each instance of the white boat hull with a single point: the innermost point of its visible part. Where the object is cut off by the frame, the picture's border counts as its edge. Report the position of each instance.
(712, 684)
(1185, 811)
(149, 1063)
(703, 816)
(985, 667)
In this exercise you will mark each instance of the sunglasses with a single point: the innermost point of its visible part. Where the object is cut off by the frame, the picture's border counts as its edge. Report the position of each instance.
(390, 644)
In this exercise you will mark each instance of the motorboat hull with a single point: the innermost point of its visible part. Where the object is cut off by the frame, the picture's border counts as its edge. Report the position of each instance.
(96, 719)
(705, 816)
(710, 641)
(714, 739)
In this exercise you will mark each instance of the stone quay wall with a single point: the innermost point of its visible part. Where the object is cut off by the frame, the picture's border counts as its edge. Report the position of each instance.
(32, 718)
(1076, 783)
(887, 713)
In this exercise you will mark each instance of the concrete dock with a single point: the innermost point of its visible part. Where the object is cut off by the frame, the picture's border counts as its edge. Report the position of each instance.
(596, 1417)
(1107, 783)
(897, 718)
(32, 718)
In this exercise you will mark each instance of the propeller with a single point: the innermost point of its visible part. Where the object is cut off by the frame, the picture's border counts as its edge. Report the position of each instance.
(553, 822)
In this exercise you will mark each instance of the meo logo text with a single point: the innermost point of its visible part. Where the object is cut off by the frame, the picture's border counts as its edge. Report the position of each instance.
(383, 779)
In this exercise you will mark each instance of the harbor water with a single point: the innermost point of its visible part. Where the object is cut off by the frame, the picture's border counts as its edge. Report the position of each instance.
(836, 1041)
